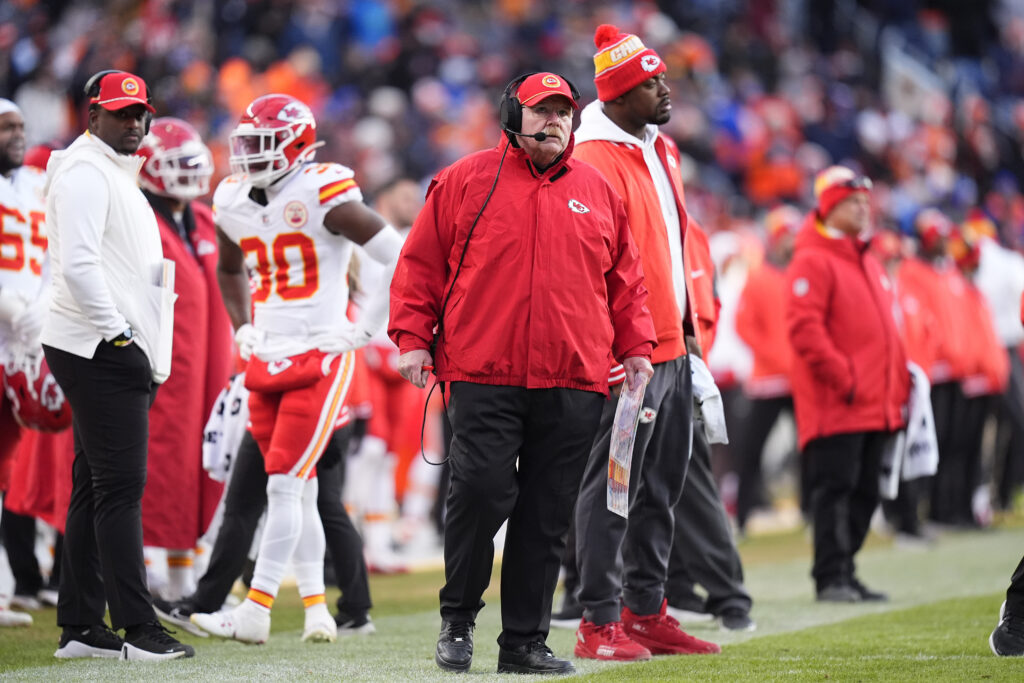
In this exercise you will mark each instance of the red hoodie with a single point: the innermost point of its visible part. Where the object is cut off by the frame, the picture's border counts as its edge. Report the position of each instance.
(849, 369)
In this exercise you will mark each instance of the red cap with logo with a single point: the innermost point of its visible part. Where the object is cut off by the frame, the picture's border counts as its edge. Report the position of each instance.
(122, 89)
(539, 87)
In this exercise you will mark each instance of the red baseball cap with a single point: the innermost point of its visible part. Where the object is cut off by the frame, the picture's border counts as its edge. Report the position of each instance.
(541, 86)
(122, 89)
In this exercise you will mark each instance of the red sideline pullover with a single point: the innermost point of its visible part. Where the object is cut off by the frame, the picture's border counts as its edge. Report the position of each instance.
(849, 369)
(551, 285)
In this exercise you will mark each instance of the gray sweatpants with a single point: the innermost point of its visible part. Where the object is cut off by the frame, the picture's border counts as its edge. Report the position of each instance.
(624, 562)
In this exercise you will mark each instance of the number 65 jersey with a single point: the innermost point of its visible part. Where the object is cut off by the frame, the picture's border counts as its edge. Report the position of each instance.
(297, 268)
(22, 237)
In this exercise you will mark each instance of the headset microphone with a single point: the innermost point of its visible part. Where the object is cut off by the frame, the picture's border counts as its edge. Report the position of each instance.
(539, 137)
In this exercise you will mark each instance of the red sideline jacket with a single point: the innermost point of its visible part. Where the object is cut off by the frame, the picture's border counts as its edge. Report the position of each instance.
(551, 285)
(849, 368)
(761, 324)
(988, 367)
(941, 347)
(180, 498)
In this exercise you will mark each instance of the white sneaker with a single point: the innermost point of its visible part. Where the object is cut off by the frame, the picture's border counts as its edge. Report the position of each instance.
(320, 626)
(247, 623)
(26, 602)
(9, 618)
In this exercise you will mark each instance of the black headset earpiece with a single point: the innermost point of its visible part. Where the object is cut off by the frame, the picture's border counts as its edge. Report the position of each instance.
(511, 109)
(92, 90)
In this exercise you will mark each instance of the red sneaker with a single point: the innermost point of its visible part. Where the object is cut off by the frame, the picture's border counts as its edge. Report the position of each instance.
(608, 641)
(661, 634)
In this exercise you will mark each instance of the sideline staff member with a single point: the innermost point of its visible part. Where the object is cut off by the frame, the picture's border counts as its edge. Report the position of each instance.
(533, 280)
(849, 377)
(104, 242)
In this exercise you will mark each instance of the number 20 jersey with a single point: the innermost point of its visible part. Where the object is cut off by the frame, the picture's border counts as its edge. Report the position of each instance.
(298, 269)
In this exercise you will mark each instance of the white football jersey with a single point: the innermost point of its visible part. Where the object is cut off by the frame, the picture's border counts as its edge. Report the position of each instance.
(23, 264)
(298, 269)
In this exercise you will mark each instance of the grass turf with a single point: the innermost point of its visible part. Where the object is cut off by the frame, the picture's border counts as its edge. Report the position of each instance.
(945, 603)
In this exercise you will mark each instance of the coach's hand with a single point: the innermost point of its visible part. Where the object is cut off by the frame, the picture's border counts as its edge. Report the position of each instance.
(413, 365)
(638, 369)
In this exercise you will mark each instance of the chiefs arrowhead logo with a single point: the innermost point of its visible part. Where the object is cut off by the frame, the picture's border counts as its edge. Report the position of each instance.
(650, 62)
(577, 206)
(276, 367)
(647, 415)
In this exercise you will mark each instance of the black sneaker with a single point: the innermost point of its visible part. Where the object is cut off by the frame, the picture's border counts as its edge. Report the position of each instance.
(177, 612)
(868, 595)
(1007, 640)
(152, 642)
(570, 614)
(88, 641)
(736, 619)
(455, 646)
(360, 625)
(839, 592)
(533, 658)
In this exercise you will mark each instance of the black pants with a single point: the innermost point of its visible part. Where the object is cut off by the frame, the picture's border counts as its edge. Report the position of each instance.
(1009, 460)
(749, 446)
(102, 565)
(516, 454)
(703, 550)
(18, 534)
(1015, 593)
(844, 471)
(245, 502)
(626, 562)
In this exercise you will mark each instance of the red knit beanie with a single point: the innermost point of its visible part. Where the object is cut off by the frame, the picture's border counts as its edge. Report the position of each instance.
(622, 62)
(835, 184)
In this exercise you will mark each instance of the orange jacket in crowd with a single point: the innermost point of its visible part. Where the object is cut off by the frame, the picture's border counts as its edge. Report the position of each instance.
(761, 324)
(849, 368)
(988, 366)
(938, 341)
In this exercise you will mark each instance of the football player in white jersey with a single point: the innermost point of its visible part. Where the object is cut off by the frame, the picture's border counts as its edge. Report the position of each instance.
(287, 226)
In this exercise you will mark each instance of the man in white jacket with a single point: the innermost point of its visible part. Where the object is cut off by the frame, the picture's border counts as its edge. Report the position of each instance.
(100, 343)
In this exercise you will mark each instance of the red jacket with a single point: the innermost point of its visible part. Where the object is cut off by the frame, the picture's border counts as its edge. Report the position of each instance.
(988, 367)
(940, 344)
(180, 498)
(551, 285)
(849, 368)
(761, 324)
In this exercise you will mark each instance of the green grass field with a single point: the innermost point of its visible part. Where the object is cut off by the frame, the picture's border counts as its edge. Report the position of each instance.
(945, 604)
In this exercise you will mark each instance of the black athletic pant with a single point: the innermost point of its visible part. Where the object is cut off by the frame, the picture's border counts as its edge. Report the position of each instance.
(844, 471)
(516, 454)
(245, 502)
(703, 550)
(18, 533)
(1009, 460)
(102, 564)
(748, 443)
(1015, 593)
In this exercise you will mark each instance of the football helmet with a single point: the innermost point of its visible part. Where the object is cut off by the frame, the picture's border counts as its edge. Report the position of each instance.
(37, 401)
(178, 164)
(275, 135)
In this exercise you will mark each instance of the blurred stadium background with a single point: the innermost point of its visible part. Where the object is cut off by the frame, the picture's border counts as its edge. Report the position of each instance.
(922, 95)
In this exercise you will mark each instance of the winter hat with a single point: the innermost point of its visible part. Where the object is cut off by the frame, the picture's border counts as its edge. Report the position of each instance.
(835, 184)
(622, 62)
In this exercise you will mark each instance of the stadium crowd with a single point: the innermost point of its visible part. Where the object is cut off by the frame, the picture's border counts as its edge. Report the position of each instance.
(923, 97)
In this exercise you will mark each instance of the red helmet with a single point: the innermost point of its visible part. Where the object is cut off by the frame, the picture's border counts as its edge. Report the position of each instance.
(37, 400)
(274, 136)
(178, 164)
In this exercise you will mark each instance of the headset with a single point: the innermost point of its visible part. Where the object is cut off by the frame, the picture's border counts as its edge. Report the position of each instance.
(511, 109)
(92, 90)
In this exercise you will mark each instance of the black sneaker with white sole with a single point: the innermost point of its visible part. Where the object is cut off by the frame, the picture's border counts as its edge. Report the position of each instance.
(177, 612)
(152, 642)
(349, 625)
(89, 641)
